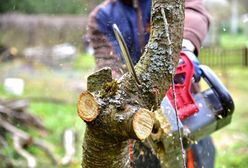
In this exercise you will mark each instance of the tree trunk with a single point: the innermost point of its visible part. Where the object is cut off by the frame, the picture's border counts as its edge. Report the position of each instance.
(116, 111)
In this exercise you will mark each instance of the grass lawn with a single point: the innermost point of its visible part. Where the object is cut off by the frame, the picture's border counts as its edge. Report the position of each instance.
(232, 141)
(233, 41)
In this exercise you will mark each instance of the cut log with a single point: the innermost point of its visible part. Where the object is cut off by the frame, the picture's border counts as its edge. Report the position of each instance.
(87, 107)
(143, 123)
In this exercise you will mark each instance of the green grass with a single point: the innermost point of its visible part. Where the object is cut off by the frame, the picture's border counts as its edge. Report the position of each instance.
(233, 41)
(232, 141)
(84, 62)
(57, 118)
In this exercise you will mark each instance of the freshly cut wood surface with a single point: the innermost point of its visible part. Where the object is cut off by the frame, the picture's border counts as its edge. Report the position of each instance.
(143, 123)
(87, 107)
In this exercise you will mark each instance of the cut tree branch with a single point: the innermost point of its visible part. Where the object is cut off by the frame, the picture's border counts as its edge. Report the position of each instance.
(116, 111)
(69, 146)
(25, 137)
(18, 144)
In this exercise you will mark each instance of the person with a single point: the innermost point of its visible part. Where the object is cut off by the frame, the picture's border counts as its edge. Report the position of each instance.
(133, 19)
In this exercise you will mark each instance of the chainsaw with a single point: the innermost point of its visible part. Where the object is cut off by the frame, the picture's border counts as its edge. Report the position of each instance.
(200, 113)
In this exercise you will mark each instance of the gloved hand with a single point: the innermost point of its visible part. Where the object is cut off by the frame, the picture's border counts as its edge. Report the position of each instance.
(195, 61)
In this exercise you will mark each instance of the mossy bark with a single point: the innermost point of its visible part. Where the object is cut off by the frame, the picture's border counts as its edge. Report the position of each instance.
(119, 102)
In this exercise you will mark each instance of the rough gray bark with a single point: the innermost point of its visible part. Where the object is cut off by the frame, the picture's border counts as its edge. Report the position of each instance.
(116, 111)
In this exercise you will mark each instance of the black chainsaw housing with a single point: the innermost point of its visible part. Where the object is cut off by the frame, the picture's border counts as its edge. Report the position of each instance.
(216, 107)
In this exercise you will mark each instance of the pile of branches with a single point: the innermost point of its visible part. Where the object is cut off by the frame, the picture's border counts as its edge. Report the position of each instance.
(14, 120)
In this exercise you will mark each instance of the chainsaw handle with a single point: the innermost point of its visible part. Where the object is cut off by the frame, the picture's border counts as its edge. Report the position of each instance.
(220, 90)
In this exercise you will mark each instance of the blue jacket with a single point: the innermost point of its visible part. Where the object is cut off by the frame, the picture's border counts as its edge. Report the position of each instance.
(107, 50)
(124, 15)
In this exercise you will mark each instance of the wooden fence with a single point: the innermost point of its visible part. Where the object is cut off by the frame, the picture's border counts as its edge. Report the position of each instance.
(220, 57)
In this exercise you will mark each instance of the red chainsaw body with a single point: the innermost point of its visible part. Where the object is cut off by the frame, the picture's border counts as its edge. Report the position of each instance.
(186, 105)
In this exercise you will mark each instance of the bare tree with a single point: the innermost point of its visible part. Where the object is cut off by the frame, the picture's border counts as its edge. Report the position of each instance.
(116, 111)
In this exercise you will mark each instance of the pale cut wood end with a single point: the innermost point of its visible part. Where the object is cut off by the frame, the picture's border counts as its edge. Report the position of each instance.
(143, 123)
(87, 107)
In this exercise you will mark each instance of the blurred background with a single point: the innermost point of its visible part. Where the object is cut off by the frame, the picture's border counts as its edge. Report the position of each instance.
(45, 60)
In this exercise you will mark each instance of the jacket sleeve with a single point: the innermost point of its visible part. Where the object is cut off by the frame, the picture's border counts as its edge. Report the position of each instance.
(196, 22)
(103, 42)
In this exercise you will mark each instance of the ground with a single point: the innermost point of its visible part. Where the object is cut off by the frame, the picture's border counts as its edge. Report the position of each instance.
(231, 141)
